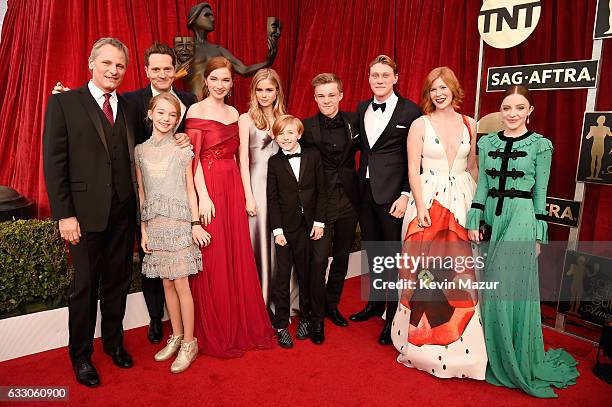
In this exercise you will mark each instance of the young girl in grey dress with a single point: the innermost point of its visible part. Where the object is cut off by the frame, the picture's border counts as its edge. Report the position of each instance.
(171, 230)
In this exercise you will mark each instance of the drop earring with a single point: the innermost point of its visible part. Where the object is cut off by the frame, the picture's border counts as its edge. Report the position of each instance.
(527, 119)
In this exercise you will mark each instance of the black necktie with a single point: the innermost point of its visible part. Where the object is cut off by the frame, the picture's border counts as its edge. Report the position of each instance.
(296, 155)
(376, 106)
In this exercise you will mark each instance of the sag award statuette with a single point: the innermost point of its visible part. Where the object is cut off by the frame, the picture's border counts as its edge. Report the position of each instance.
(194, 52)
(595, 160)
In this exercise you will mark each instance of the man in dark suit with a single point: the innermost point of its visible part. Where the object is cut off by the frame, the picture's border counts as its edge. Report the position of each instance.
(296, 204)
(160, 61)
(333, 133)
(384, 121)
(159, 67)
(88, 145)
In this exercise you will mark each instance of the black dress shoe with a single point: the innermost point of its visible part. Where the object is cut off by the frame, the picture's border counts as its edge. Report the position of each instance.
(385, 335)
(120, 357)
(303, 330)
(284, 338)
(336, 317)
(317, 335)
(370, 310)
(86, 374)
(155, 332)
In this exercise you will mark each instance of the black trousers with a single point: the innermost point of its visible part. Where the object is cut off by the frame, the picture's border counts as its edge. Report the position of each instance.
(152, 288)
(295, 254)
(382, 229)
(103, 264)
(340, 225)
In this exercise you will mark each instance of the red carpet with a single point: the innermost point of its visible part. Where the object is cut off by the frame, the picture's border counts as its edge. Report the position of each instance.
(350, 368)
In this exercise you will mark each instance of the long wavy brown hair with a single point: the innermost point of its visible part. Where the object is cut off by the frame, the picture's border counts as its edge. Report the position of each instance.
(278, 108)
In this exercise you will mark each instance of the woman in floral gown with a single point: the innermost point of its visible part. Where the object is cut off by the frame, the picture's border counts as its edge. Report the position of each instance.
(439, 330)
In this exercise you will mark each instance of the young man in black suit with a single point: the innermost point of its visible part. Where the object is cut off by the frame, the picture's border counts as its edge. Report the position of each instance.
(296, 204)
(159, 67)
(384, 121)
(333, 133)
(88, 146)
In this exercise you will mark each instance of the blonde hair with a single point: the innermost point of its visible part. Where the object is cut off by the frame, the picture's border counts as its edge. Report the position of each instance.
(284, 121)
(168, 97)
(255, 110)
(385, 60)
(325, 78)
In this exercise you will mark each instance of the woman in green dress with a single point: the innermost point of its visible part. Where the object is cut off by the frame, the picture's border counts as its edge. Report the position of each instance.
(514, 167)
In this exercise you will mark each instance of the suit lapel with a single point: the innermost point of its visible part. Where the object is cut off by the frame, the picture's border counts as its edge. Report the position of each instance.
(129, 131)
(147, 95)
(316, 131)
(303, 163)
(392, 121)
(185, 98)
(350, 131)
(317, 139)
(285, 161)
(364, 136)
(93, 109)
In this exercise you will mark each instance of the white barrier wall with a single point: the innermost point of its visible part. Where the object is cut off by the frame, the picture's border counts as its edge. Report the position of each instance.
(41, 331)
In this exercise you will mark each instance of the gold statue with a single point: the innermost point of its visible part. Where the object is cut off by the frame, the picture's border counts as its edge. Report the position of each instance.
(609, 18)
(578, 271)
(598, 134)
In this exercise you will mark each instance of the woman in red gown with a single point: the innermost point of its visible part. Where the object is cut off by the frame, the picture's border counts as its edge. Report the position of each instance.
(230, 314)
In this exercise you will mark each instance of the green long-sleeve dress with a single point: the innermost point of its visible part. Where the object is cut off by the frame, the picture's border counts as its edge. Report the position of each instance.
(511, 198)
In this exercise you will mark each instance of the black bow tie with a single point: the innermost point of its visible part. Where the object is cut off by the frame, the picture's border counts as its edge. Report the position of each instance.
(296, 155)
(333, 123)
(376, 106)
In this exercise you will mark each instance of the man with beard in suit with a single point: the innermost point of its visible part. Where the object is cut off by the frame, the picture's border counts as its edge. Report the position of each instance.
(88, 146)
(160, 61)
(333, 133)
(384, 121)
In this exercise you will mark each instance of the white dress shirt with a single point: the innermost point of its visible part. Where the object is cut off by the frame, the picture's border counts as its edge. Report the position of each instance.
(295, 162)
(155, 92)
(98, 95)
(375, 122)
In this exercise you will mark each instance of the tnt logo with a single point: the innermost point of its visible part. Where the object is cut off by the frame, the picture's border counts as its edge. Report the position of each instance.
(506, 23)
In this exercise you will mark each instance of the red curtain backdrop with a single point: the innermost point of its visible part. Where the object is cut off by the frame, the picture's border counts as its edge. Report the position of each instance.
(49, 40)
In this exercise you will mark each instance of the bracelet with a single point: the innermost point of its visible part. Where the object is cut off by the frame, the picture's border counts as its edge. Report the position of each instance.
(195, 222)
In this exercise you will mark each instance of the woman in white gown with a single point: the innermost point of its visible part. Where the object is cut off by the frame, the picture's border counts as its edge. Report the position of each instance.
(438, 330)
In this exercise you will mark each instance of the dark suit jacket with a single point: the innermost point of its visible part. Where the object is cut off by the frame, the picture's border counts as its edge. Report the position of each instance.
(76, 162)
(345, 170)
(387, 159)
(287, 196)
(140, 99)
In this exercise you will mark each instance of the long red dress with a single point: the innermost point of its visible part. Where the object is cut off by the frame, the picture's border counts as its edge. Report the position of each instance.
(230, 314)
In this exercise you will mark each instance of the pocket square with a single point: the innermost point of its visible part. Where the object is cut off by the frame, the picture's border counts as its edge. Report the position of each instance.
(355, 136)
(399, 126)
